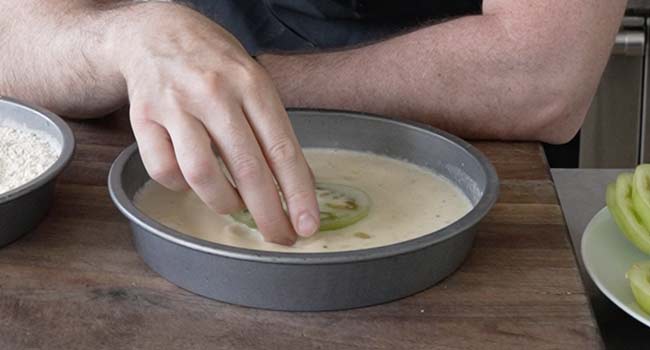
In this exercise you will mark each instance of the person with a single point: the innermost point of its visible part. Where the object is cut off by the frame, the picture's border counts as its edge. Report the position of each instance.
(220, 73)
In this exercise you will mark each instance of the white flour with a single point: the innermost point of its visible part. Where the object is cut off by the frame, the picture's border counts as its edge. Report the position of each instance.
(24, 155)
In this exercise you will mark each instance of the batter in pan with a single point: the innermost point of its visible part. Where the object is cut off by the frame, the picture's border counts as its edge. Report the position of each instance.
(366, 200)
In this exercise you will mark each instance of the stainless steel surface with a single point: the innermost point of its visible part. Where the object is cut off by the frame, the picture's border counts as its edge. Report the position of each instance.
(23, 208)
(582, 194)
(633, 22)
(638, 8)
(629, 43)
(321, 281)
(644, 146)
(610, 136)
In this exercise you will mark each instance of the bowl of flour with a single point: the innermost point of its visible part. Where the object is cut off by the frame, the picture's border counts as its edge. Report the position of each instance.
(35, 146)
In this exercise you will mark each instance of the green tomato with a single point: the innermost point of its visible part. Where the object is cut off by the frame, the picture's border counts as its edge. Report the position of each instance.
(641, 193)
(639, 276)
(619, 203)
(340, 206)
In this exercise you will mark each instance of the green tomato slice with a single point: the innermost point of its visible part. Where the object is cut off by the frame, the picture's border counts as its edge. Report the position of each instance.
(619, 203)
(639, 276)
(245, 218)
(641, 193)
(340, 206)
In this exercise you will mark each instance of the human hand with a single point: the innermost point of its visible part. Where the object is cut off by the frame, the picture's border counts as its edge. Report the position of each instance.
(192, 85)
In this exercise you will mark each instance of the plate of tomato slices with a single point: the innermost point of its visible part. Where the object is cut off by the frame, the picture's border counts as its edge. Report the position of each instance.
(616, 244)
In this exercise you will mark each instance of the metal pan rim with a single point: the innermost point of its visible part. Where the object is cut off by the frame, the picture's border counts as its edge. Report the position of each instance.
(67, 151)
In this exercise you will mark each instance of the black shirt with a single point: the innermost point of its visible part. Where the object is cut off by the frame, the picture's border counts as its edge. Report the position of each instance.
(299, 25)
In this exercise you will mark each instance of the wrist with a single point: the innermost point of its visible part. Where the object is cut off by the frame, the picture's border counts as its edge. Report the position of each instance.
(131, 27)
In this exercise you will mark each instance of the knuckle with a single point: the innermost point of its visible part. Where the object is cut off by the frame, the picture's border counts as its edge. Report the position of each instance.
(246, 166)
(199, 172)
(211, 84)
(283, 152)
(299, 196)
(249, 70)
(252, 75)
(141, 113)
(232, 127)
(172, 95)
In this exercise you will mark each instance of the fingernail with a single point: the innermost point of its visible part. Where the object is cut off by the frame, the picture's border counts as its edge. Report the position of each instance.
(306, 225)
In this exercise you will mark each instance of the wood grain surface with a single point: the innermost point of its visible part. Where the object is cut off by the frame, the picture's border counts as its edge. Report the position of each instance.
(76, 282)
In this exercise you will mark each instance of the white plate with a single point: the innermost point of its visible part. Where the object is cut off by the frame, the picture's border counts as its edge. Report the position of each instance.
(608, 255)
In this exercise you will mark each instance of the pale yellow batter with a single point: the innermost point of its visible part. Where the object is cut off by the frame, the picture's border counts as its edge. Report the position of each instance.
(407, 202)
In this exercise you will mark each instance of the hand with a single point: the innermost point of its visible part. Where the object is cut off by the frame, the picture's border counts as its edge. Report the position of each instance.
(192, 85)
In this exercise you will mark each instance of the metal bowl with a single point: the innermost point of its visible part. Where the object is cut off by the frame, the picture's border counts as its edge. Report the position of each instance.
(24, 207)
(321, 281)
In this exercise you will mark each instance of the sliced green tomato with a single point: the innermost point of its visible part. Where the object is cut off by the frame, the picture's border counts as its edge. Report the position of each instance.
(340, 206)
(245, 218)
(639, 276)
(619, 203)
(641, 193)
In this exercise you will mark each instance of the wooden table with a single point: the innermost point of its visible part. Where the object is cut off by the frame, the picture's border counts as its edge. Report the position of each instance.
(77, 282)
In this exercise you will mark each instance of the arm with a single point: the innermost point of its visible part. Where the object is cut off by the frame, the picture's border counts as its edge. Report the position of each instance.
(56, 54)
(524, 70)
(190, 85)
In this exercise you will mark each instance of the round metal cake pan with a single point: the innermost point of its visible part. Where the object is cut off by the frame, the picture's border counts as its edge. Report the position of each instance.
(321, 281)
(24, 207)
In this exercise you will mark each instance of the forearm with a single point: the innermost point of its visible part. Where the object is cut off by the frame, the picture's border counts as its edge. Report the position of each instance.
(57, 54)
(479, 76)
